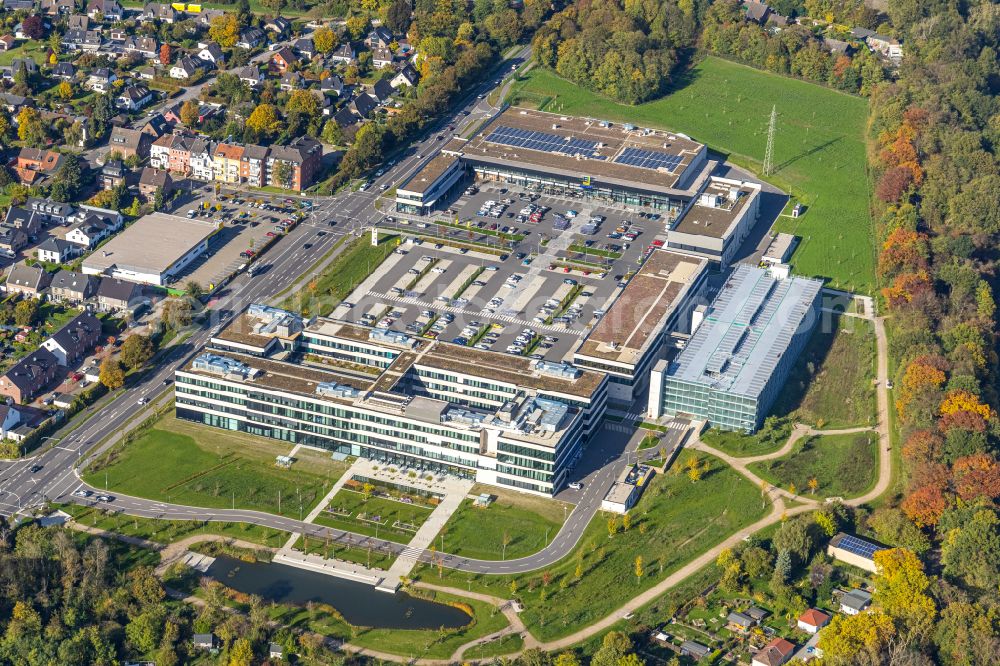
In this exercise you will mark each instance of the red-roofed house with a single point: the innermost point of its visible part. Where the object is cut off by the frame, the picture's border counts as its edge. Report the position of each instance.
(775, 653)
(813, 620)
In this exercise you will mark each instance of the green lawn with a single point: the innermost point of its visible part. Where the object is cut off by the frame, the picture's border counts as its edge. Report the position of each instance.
(770, 437)
(673, 522)
(188, 463)
(29, 47)
(506, 644)
(524, 521)
(373, 558)
(819, 149)
(388, 512)
(844, 465)
(168, 531)
(832, 384)
(355, 263)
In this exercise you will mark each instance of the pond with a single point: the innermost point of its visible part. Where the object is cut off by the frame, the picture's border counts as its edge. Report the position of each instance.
(360, 604)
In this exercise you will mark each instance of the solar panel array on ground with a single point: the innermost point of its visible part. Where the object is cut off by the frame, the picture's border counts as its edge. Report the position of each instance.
(649, 159)
(858, 546)
(541, 141)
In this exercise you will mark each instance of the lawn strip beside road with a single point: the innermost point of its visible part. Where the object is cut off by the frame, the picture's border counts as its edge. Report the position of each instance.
(843, 465)
(819, 149)
(188, 463)
(768, 439)
(674, 522)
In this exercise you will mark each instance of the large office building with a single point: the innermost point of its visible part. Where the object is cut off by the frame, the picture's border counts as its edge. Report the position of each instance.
(717, 220)
(630, 337)
(599, 161)
(380, 394)
(153, 250)
(733, 367)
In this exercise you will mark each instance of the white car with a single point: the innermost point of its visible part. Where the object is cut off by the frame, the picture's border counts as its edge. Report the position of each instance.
(82, 493)
(576, 485)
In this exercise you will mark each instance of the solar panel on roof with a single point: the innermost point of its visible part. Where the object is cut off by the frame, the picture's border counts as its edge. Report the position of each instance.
(858, 546)
(649, 159)
(540, 141)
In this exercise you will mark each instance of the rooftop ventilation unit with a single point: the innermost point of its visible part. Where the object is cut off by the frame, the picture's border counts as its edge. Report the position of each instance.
(223, 366)
(335, 390)
(391, 337)
(557, 369)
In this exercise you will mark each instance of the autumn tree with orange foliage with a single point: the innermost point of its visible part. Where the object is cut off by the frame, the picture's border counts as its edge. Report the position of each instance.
(906, 287)
(903, 250)
(925, 505)
(922, 446)
(924, 376)
(976, 476)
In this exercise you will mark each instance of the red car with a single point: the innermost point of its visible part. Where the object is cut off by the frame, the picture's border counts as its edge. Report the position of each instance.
(657, 243)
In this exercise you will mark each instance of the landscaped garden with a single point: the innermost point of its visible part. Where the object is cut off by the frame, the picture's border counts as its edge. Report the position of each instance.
(365, 513)
(189, 463)
(838, 465)
(513, 525)
(674, 521)
(819, 149)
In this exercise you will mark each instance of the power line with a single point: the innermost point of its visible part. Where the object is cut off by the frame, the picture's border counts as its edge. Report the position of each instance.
(769, 153)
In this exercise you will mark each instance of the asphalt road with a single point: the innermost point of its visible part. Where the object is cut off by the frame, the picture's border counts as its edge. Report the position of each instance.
(57, 477)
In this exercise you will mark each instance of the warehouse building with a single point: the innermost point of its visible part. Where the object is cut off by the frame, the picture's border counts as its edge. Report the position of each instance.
(731, 370)
(554, 154)
(153, 250)
(383, 395)
(630, 337)
(718, 220)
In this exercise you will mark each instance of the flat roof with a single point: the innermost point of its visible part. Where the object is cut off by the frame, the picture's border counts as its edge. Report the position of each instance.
(781, 247)
(632, 157)
(746, 331)
(641, 310)
(713, 212)
(151, 244)
(424, 179)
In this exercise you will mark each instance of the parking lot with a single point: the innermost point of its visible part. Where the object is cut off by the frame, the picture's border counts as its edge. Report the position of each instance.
(510, 274)
(250, 224)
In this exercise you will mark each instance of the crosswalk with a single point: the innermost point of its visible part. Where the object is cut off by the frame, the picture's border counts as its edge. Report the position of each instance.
(411, 553)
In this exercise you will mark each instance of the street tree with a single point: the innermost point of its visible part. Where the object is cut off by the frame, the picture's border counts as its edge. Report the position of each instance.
(111, 374)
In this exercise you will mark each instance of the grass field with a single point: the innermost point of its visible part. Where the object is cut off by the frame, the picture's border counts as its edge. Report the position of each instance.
(771, 437)
(355, 263)
(188, 463)
(388, 511)
(831, 385)
(673, 522)
(27, 48)
(843, 465)
(523, 519)
(168, 531)
(819, 149)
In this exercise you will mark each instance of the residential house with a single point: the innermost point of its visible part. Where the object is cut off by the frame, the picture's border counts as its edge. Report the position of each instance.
(381, 58)
(147, 47)
(114, 295)
(250, 38)
(227, 160)
(49, 211)
(65, 71)
(152, 180)
(18, 421)
(363, 105)
(100, 79)
(379, 37)
(7, 42)
(205, 17)
(156, 126)
(344, 54)
(78, 22)
(112, 218)
(812, 621)
(887, 46)
(14, 103)
(57, 7)
(26, 280)
(158, 11)
(283, 59)
(184, 68)
(171, 152)
(29, 376)
(72, 287)
(27, 64)
(305, 47)
(757, 12)
(74, 340)
(694, 650)
(12, 241)
(56, 250)
(861, 34)
(291, 81)
(211, 53)
(838, 47)
(110, 10)
(275, 651)
(18, 5)
(253, 165)
(201, 160)
(382, 91)
(851, 603)
(757, 614)
(88, 233)
(134, 97)
(345, 117)
(303, 158)
(112, 174)
(118, 34)
(34, 165)
(279, 25)
(332, 84)
(250, 75)
(407, 76)
(86, 40)
(128, 142)
(24, 219)
(775, 653)
(205, 641)
(147, 73)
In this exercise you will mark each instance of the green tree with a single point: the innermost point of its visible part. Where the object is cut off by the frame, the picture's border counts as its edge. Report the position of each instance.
(971, 552)
(241, 654)
(111, 374)
(190, 113)
(25, 312)
(901, 591)
(566, 659)
(145, 629)
(282, 174)
(136, 351)
(324, 39)
(264, 120)
(65, 90)
(614, 646)
(30, 127)
(397, 16)
(244, 15)
(225, 30)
